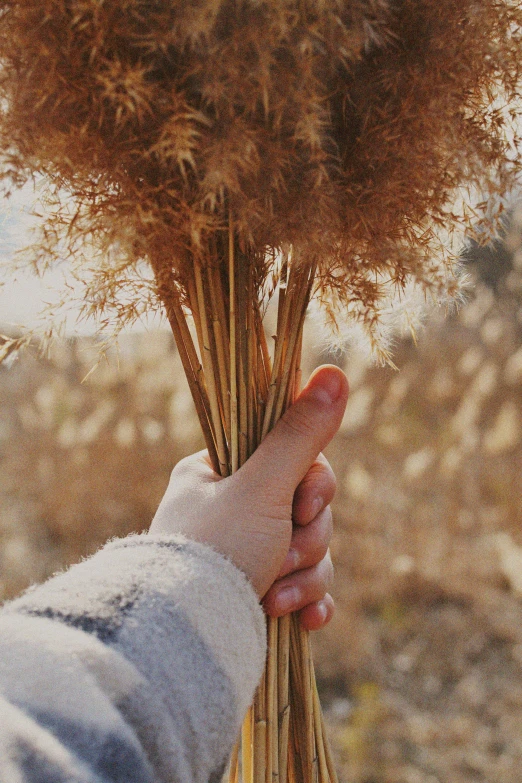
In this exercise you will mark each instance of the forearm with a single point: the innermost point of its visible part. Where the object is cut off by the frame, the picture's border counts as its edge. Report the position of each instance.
(127, 668)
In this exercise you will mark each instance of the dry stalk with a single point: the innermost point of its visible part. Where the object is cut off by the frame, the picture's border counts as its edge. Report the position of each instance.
(208, 359)
(234, 764)
(260, 733)
(240, 394)
(219, 341)
(283, 705)
(247, 741)
(192, 368)
(271, 710)
(234, 445)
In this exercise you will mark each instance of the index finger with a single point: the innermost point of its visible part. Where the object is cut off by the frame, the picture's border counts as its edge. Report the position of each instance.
(315, 492)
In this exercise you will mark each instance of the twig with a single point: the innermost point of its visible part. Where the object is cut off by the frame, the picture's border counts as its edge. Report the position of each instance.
(234, 436)
(208, 364)
(184, 343)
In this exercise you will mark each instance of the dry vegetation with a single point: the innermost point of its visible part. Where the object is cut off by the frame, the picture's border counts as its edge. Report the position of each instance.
(82, 462)
(421, 671)
(363, 134)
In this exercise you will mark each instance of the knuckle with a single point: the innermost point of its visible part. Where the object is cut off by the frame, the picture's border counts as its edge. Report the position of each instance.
(298, 422)
(321, 472)
(321, 543)
(330, 482)
(181, 468)
(321, 479)
(322, 529)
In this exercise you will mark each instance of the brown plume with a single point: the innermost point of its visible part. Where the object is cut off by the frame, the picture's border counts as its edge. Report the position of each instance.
(345, 128)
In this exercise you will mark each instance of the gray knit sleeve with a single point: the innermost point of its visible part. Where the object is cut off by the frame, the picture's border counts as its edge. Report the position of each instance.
(134, 666)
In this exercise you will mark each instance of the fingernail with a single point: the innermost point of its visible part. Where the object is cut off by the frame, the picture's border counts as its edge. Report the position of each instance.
(317, 506)
(323, 610)
(287, 599)
(327, 387)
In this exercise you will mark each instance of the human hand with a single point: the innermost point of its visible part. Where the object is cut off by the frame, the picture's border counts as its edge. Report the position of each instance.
(248, 516)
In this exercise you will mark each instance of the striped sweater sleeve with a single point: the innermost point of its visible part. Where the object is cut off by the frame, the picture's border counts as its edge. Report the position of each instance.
(134, 666)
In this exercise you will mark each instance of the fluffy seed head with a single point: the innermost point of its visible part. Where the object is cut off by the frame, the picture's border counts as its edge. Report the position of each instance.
(357, 130)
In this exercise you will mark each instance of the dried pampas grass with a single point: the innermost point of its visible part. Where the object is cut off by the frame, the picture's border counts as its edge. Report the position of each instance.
(347, 128)
(326, 149)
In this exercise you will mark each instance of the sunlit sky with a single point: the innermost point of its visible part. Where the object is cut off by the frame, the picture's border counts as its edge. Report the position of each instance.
(23, 296)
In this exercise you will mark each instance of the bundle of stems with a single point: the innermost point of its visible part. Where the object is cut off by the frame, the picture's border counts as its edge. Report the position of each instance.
(240, 392)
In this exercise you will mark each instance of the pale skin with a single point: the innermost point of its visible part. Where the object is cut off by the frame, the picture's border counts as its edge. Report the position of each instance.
(272, 518)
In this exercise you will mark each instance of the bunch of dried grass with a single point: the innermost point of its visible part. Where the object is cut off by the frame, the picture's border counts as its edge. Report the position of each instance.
(234, 147)
(343, 127)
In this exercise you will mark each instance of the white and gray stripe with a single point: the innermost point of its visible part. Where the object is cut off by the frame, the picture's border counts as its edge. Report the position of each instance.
(128, 664)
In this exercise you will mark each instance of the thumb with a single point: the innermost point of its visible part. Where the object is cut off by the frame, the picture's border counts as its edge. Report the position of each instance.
(288, 451)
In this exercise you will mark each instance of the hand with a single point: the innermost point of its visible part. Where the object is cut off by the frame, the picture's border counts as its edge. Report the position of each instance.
(248, 516)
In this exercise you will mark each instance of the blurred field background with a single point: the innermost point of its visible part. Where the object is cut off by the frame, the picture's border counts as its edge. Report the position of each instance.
(421, 669)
